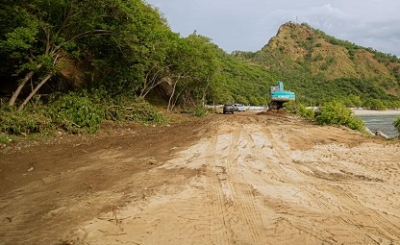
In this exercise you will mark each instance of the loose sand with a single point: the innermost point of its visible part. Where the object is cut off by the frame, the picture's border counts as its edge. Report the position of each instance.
(228, 179)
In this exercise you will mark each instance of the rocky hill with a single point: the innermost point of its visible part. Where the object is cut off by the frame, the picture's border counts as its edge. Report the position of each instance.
(301, 48)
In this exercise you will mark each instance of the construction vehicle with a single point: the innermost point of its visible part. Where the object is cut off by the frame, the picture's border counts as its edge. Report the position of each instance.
(279, 96)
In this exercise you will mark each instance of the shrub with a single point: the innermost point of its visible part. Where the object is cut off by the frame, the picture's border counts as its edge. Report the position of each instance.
(4, 139)
(23, 122)
(76, 113)
(396, 124)
(290, 106)
(199, 111)
(337, 114)
(306, 113)
(136, 110)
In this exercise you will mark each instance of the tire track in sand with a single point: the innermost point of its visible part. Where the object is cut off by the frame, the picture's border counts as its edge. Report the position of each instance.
(343, 201)
(244, 201)
(277, 160)
(219, 230)
(235, 216)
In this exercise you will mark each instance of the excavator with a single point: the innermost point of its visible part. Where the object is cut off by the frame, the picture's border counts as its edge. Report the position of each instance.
(279, 96)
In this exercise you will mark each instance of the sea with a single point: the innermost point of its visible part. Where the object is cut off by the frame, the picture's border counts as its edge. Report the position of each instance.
(383, 123)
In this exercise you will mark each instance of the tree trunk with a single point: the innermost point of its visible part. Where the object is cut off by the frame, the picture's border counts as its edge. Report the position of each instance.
(22, 85)
(21, 107)
(151, 83)
(169, 108)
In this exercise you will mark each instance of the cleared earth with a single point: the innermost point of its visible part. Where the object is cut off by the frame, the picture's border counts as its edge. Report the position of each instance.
(229, 179)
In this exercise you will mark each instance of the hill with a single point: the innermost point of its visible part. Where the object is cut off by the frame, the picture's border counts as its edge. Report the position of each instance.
(309, 60)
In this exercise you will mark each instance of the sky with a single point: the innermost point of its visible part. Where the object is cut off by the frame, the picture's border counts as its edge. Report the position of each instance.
(248, 25)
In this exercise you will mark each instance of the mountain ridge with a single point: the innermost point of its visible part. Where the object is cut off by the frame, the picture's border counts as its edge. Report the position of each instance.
(304, 49)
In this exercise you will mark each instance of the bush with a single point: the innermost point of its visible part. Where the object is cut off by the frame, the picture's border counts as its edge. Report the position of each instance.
(76, 113)
(4, 139)
(136, 110)
(23, 122)
(300, 110)
(306, 113)
(396, 124)
(290, 106)
(199, 111)
(337, 114)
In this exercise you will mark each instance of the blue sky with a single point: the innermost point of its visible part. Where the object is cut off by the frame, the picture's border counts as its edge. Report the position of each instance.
(247, 25)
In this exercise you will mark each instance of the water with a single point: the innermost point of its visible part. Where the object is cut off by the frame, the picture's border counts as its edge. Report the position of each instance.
(383, 123)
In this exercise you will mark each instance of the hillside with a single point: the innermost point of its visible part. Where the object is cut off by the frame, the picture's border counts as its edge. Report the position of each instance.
(303, 54)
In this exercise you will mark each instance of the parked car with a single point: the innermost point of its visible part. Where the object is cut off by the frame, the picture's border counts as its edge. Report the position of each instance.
(228, 108)
(239, 107)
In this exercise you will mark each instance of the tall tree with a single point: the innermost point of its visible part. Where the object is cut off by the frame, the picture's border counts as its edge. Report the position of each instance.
(116, 34)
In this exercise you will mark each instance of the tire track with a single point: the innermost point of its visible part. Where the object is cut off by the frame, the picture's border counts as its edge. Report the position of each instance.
(219, 231)
(234, 208)
(390, 230)
(243, 200)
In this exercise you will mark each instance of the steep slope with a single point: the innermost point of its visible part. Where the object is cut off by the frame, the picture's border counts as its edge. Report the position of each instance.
(301, 49)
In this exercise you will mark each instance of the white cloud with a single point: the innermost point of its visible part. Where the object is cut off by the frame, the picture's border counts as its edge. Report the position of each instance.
(249, 24)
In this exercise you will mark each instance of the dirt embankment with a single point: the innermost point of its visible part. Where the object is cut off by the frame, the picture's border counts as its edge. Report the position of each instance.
(227, 179)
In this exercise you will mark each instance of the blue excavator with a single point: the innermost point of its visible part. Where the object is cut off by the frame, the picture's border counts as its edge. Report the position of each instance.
(279, 96)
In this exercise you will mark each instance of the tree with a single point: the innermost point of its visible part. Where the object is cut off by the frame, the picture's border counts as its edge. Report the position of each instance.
(374, 104)
(116, 37)
(193, 66)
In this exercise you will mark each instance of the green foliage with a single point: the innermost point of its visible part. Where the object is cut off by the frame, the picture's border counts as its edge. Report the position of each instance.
(290, 106)
(374, 104)
(120, 41)
(337, 114)
(240, 81)
(76, 113)
(147, 114)
(304, 112)
(23, 122)
(199, 111)
(327, 63)
(4, 139)
(253, 100)
(132, 109)
(396, 124)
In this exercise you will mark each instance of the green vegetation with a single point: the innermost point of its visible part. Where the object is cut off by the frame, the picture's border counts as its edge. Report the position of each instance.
(332, 113)
(75, 113)
(4, 139)
(306, 113)
(31, 120)
(74, 64)
(336, 113)
(396, 124)
(321, 68)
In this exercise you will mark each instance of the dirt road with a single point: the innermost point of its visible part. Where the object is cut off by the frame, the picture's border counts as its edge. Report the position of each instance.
(227, 179)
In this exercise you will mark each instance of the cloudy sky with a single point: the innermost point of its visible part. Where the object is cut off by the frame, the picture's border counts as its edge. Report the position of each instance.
(247, 25)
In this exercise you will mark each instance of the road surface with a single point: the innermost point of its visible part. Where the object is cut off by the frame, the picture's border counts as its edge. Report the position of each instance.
(245, 178)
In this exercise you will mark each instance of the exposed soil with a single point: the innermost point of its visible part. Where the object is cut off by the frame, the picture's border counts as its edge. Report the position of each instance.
(245, 178)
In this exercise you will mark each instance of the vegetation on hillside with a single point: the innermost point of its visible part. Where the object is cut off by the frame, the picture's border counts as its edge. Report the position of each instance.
(73, 64)
(321, 68)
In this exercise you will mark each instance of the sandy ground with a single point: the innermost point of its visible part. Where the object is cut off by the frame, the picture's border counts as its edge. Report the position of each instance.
(375, 112)
(228, 179)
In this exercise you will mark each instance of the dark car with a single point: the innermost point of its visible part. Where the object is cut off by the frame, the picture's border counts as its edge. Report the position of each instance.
(228, 108)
